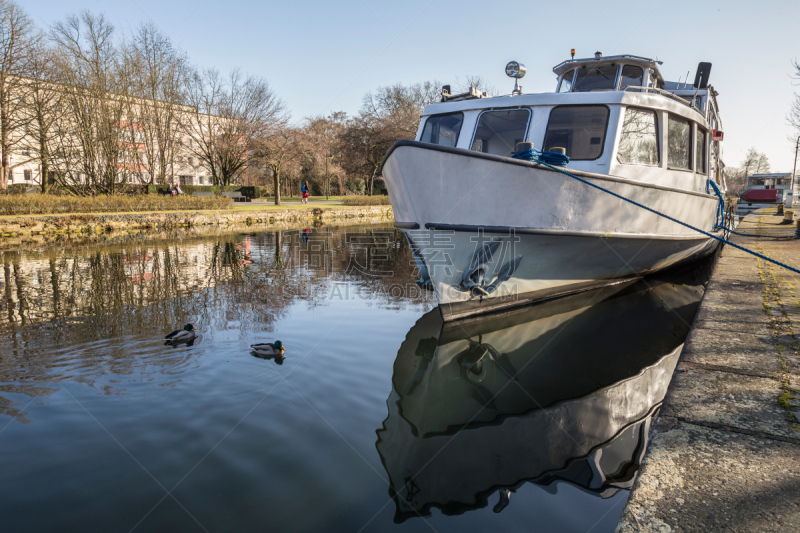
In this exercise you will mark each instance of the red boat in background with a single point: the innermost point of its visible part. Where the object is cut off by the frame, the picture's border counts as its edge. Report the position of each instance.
(766, 190)
(760, 195)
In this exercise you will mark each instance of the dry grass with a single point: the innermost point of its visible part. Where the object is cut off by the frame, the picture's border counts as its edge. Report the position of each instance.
(366, 200)
(42, 204)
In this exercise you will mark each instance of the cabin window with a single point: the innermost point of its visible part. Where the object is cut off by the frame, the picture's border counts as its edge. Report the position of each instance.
(579, 129)
(442, 129)
(498, 132)
(638, 143)
(679, 143)
(596, 78)
(632, 76)
(700, 151)
(566, 82)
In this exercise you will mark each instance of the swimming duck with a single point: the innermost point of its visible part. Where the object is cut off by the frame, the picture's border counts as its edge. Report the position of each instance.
(269, 349)
(187, 335)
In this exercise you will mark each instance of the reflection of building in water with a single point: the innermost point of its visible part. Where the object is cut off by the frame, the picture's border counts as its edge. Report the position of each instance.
(68, 296)
(560, 391)
(266, 270)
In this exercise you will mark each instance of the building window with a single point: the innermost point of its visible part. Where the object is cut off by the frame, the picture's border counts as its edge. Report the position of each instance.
(26, 151)
(638, 143)
(631, 76)
(498, 132)
(700, 151)
(579, 129)
(443, 129)
(27, 174)
(679, 143)
(201, 180)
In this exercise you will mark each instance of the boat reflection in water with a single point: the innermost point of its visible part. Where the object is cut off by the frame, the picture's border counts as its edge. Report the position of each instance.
(560, 391)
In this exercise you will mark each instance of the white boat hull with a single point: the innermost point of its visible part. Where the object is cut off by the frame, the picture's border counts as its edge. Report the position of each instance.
(556, 234)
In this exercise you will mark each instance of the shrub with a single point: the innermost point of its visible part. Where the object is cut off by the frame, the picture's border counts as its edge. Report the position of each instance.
(366, 200)
(39, 204)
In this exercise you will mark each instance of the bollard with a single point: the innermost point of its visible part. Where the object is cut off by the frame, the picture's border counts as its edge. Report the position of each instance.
(797, 230)
(780, 208)
(524, 146)
(788, 216)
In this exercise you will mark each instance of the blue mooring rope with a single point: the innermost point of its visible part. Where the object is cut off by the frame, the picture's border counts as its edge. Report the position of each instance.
(555, 158)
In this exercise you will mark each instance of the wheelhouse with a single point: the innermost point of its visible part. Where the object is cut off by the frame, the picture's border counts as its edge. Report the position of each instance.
(615, 115)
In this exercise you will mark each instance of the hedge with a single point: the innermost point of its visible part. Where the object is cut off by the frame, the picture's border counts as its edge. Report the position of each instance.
(249, 191)
(366, 200)
(39, 204)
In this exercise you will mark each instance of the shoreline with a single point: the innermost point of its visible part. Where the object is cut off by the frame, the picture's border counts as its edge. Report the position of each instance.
(724, 452)
(21, 226)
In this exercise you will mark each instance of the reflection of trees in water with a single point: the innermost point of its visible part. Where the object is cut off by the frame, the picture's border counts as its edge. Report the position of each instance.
(59, 305)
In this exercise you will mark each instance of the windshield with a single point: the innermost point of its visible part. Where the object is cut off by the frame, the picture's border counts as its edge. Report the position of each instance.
(498, 132)
(596, 78)
(442, 129)
(579, 130)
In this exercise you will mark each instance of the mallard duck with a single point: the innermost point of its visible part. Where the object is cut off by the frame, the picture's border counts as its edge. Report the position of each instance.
(187, 334)
(269, 349)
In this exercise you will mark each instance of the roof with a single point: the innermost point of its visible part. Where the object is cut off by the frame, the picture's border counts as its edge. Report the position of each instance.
(644, 62)
(783, 175)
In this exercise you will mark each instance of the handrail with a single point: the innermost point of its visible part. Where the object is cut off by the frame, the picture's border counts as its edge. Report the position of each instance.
(668, 94)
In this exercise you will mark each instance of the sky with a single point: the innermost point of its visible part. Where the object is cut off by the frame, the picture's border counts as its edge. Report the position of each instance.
(324, 56)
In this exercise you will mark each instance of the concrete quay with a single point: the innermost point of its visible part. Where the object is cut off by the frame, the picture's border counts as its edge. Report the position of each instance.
(724, 454)
(88, 223)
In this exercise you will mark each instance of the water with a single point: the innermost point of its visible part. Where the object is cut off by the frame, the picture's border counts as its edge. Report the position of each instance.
(379, 418)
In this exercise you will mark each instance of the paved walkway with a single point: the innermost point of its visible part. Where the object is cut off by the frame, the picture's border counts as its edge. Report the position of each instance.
(725, 451)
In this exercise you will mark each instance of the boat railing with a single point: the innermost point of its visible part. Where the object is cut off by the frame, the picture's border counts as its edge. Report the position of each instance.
(668, 94)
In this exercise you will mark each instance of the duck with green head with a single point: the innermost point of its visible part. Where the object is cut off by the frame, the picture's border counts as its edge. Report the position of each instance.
(269, 349)
(179, 336)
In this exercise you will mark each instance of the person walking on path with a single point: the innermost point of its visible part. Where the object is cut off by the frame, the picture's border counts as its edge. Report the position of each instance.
(304, 190)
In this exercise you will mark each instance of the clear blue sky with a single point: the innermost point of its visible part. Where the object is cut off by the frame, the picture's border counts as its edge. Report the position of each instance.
(323, 56)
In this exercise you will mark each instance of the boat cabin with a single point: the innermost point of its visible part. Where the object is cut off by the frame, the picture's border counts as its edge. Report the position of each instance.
(611, 115)
(780, 182)
(765, 190)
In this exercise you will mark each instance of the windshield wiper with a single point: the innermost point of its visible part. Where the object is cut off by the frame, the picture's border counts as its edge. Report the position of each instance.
(601, 73)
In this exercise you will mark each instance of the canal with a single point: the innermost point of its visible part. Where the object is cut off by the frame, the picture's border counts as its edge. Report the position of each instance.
(379, 417)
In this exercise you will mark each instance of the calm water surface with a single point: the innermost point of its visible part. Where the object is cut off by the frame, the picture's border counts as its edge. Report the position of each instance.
(379, 418)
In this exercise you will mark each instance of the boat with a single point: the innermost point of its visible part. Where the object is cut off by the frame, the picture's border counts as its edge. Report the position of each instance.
(765, 190)
(490, 231)
(562, 391)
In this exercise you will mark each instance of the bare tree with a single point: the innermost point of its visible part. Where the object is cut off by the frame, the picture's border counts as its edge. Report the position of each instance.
(95, 129)
(15, 40)
(43, 99)
(278, 148)
(159, 79)
(323, 153)
(388, 115)
(231, 117)
(754, 162)
(479, 82)
(794, 112)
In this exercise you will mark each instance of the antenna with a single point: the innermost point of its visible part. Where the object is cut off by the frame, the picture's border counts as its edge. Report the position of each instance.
(686, 80)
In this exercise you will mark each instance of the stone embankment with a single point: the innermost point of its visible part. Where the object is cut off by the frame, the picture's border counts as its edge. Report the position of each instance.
(724, 454)
(98, 223)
